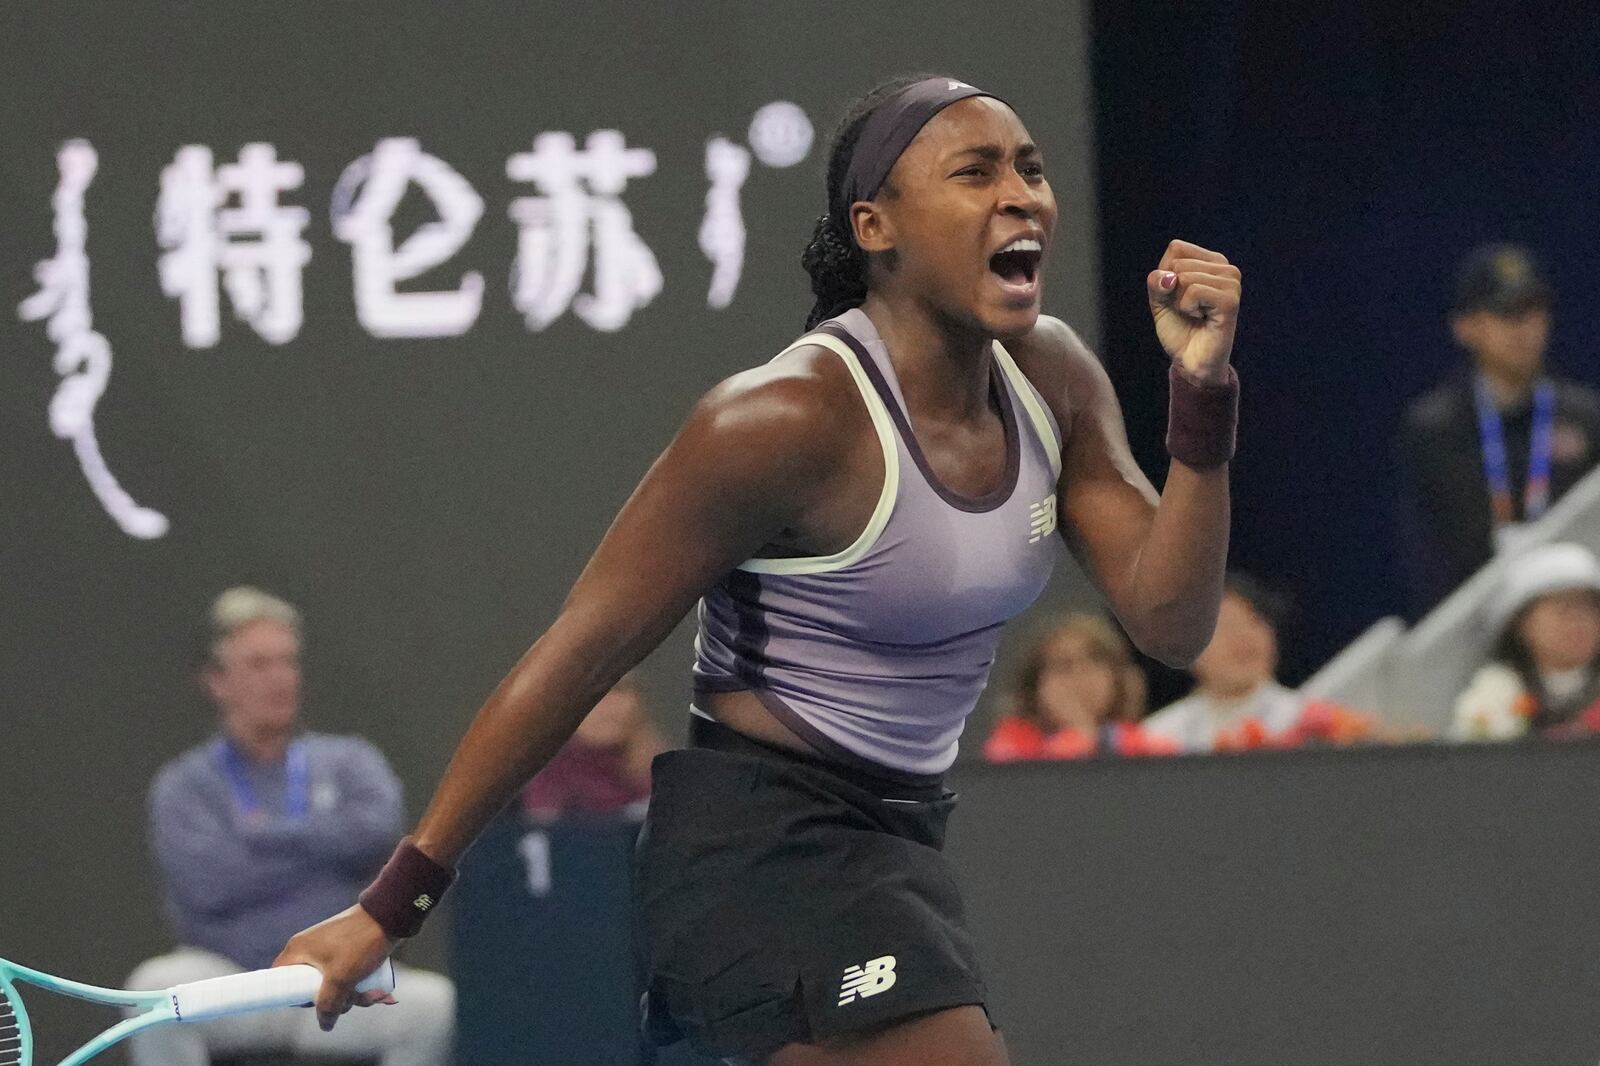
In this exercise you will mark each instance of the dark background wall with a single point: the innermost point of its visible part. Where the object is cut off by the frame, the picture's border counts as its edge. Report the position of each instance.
(1416, 907)
(426, 502)
(1345, 156)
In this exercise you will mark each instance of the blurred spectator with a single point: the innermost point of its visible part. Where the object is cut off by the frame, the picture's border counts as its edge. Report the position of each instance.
(1079, 694)
(263, 830)
(1238, 703)
(1545, 677)
(1497, 443)
(605, 767)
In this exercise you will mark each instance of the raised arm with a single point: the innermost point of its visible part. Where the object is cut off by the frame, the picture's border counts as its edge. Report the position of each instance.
(1159, 559)
(743, 472)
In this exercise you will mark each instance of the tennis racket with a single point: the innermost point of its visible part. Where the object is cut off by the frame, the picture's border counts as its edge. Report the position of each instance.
(282, 986)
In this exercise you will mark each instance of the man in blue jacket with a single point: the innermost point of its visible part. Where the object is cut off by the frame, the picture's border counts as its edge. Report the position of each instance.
(265, 829)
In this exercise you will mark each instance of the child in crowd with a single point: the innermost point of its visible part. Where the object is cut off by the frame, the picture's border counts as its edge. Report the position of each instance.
(1079, 694)
(1545, 673)
(1238, 703)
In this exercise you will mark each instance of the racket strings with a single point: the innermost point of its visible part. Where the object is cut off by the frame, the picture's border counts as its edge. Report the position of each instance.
(10, 1033)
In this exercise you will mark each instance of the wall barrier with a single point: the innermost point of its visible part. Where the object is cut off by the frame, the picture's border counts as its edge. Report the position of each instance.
(1408, 906)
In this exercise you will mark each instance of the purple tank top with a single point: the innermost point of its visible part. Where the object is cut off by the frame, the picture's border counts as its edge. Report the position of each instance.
(877, 654)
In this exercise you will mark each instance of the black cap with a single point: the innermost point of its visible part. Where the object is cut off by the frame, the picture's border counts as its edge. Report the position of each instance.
(1502, 279)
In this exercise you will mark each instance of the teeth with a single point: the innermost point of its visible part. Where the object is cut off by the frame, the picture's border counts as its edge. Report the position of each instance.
(1023, 244)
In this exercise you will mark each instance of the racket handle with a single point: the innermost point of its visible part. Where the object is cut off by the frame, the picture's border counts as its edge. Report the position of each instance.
(281, 986)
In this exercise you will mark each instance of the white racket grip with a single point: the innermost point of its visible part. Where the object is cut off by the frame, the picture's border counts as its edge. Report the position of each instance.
(281, 986)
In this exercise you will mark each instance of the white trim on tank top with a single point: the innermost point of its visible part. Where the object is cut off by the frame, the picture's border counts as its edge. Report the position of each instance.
(821, 564)
(1030, 401)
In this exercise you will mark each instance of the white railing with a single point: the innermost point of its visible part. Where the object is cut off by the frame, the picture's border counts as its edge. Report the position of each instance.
(1412, 677)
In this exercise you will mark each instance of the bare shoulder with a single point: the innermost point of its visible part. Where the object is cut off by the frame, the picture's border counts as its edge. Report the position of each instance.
(802, 392)
(1061, 366)
(793, 412)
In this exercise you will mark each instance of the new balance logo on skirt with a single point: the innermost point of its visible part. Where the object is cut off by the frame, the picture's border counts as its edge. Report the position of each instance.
(422, 902)
(863, 981)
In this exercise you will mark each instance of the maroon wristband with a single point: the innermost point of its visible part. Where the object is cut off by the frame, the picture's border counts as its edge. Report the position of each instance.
(410, 886)
(1202, 420)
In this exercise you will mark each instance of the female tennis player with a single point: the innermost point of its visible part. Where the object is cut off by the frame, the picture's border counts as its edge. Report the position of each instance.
(856, 520)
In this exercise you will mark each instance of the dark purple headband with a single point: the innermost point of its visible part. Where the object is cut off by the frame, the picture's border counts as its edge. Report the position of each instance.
(892, 126)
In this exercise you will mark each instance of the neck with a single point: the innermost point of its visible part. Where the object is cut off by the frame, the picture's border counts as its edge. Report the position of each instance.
(1509, 388)
(261, 745)
(942, 368)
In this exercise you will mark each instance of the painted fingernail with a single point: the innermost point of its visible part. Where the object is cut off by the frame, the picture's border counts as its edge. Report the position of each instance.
(1168, 280)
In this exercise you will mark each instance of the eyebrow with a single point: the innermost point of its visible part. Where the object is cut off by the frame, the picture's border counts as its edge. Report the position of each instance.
(994, 153)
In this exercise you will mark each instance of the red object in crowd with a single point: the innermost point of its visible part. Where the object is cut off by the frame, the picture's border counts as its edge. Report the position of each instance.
(1320, 722)
(584, 777)
(1586, 723)
(1016, 739)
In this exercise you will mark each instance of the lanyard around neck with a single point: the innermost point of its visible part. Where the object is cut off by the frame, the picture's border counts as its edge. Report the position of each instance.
(296, 785)
(1497, 469)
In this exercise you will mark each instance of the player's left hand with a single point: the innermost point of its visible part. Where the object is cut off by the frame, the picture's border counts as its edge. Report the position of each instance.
(1194, 297)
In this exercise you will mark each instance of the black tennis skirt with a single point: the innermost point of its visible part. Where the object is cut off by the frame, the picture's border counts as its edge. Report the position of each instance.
(786, 899)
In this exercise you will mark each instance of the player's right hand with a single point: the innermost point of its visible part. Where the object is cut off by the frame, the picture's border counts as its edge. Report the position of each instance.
(345, 948)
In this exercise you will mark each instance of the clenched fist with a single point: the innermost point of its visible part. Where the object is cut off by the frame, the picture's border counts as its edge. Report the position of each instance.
(1194, 296)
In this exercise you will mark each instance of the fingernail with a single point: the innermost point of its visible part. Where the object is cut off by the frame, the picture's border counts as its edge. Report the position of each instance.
(1168, 280)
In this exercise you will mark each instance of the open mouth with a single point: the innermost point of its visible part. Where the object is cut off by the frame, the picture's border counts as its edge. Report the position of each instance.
(1017, 264)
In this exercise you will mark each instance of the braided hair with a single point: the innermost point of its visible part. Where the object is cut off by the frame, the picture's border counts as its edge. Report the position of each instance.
(836, 263)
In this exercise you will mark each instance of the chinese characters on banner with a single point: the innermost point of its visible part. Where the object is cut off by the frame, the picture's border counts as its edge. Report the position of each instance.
(232, 229)
(363, 202)
(581, 205)
(256, 245)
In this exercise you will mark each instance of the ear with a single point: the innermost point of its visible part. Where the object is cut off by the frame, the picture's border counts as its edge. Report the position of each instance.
(873, 230)
(1465, 330)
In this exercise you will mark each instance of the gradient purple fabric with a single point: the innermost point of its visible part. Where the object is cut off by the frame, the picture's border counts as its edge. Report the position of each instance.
(878, 664)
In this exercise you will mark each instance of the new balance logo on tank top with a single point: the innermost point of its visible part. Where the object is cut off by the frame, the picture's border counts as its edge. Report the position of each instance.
(878, 653)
